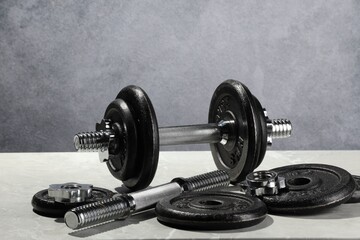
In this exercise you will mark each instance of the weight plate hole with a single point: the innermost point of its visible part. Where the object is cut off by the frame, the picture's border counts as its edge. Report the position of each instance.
(299, 181)
(71, 186)
(262, 175)
(210, 203)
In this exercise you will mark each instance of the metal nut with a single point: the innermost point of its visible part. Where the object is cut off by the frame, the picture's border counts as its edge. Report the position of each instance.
(70, 192)
(263, 183)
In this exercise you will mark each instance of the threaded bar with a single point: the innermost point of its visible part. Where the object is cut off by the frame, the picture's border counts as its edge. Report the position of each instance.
(92, 141)
(206, 181)
(281, 128)
(97, 212)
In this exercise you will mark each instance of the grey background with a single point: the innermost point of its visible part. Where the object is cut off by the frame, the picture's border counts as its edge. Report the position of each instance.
(62, 62)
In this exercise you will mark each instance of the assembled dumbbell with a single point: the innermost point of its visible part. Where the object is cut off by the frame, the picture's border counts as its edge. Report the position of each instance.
(128, 137)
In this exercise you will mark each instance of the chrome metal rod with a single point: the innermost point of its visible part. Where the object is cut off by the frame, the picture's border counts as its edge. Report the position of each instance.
(177, 135)
(192, 134)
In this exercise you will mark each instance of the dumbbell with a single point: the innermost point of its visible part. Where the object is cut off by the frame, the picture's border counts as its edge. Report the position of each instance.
(128, 137)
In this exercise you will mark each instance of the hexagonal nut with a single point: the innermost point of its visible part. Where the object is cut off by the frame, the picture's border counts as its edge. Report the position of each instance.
(105, 127)
(263, 183)
(261, 179)
(281, 183)
(70, 192)
(103, 155)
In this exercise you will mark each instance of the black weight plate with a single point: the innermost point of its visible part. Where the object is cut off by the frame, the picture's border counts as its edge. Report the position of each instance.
(311, 188)
(147, 136)
(46, 206)
(121, 163)
(263, 129)
(355, 198)
(231, 98)
(211, 211)
(258, 133)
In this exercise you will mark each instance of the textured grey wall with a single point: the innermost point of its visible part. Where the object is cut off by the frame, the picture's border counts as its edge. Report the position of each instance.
(62, 62)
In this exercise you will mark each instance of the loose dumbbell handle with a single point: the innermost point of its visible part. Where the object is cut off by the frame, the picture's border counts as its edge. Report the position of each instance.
(122, 206)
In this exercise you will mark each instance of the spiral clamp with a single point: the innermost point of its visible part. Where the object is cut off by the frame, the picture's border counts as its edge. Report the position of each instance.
(70, 192)
(263, 183)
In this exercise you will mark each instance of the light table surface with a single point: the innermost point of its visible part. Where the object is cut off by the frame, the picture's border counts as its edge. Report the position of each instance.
(24, 174)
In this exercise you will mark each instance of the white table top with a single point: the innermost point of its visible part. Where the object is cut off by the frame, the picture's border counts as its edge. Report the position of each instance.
(24, 174)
